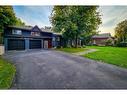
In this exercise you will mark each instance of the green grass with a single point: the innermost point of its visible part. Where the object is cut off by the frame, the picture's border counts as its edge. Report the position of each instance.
(7, 72)
(112, 55)
(72, 50)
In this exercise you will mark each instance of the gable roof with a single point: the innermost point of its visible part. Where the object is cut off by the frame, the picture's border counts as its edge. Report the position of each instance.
(46, 30)
(36, 29)
(104, 35)
(30, 28)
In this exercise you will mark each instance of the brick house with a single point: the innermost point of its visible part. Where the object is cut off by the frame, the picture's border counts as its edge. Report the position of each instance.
(101, 39)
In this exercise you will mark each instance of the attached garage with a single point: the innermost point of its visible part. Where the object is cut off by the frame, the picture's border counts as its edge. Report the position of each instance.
(16, 44)
(35, 44)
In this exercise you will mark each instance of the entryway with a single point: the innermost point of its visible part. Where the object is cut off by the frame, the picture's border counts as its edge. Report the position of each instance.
(47, 44)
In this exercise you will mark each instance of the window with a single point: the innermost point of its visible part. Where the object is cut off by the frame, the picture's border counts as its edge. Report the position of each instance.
(35, 33)
(53, 38)
(16, 32)
(58, 38)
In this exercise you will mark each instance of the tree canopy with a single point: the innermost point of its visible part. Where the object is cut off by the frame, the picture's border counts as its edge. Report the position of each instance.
(19, 22)
(75, 21)
(121, 31)
(8, 17)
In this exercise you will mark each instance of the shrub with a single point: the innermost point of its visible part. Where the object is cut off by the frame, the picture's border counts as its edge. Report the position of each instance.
(109, 42)
(122, 44)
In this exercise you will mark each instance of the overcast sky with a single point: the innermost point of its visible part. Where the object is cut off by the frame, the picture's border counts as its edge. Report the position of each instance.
(39, 15)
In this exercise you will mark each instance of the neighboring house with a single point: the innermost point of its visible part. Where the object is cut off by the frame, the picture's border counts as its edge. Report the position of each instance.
(101, 39)
(27, 37)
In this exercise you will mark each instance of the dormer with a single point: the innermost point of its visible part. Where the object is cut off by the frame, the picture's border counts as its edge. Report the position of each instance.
(35, 31)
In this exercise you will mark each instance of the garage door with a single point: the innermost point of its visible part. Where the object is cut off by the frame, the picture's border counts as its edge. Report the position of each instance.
(35, 44)
(16, 44)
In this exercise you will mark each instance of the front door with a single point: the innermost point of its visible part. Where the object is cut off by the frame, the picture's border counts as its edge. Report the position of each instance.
(45, 44)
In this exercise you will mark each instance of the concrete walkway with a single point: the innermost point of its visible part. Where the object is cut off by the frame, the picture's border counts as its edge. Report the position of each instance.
(50, 69)
(85, 52)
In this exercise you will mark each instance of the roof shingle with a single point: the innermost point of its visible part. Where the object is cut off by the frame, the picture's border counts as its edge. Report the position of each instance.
(104, 35)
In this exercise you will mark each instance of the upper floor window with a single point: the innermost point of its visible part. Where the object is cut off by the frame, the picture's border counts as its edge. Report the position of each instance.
(58, 38)
(17, 32)
(53, 39)
(35, 33)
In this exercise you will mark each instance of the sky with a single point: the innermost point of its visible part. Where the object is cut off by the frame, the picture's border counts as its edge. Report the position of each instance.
(39, 15)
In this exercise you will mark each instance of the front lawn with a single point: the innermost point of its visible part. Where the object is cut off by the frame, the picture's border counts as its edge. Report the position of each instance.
(111, 55)
(7, 72)
(72, 50)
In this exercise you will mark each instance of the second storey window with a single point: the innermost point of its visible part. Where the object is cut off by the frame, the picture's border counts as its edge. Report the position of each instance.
(58, 38)
(35, 33)
(16, 32)
(53, 39)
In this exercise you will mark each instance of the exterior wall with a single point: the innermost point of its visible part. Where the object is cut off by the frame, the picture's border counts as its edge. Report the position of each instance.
(8, 31)
(6, 43)
(27, 40)
(99, 41)
(55, 41)
(52, 43)
(46, 34)
(26, 33)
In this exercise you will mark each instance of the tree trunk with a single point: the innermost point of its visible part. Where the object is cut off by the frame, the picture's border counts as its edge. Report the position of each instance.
(76, 41)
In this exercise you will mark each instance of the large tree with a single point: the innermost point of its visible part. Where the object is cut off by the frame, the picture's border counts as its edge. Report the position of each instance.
(7, 17)
(121, 31)
(75, 21)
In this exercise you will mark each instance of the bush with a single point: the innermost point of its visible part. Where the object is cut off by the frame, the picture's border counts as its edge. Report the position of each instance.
(109, 42)
(1, 38)
(122, 44)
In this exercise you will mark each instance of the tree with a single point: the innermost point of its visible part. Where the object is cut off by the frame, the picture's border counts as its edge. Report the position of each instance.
(19, 22)
(121, 31)
(7, 17)
(74, 21)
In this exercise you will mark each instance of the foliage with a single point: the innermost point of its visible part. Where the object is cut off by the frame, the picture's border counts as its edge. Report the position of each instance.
(122, 44)
(111, 55)
(7, 72)
(121, 32)
(74, 21)
(19, 22)
(7, 17)
(109, 42)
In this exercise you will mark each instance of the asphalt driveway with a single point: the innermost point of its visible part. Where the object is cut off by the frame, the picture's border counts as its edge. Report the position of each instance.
(50, 69)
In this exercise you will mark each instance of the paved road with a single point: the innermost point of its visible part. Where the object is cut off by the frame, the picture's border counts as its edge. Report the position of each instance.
(49, 69)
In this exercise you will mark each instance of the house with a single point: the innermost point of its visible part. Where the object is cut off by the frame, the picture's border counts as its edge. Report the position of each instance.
(101, 39)
(28, 37)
